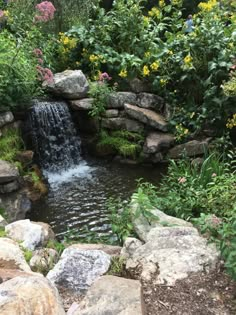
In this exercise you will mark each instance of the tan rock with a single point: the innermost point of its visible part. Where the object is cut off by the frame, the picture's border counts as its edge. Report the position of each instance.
(108, 249)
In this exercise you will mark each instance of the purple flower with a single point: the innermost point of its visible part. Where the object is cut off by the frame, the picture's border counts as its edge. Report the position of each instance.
(104, 77)
(46, 11)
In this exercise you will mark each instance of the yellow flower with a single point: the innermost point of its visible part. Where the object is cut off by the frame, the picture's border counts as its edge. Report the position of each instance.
(163, 82)
(155, 65)
(231, 122)
(162, 3)
(188, 60)
(154, 12)
(147, 54)
(123, 73)
(192, 115)
(207, 6)
(176, 2)
(170, 52)
(77, 63)
(146, 20)
(6, 13)
(146, 71)
(93, 58)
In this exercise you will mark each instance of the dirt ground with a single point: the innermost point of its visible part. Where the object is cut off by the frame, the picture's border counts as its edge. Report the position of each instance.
(199, 294)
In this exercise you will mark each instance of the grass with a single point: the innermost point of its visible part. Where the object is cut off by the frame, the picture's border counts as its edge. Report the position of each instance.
(10, 144)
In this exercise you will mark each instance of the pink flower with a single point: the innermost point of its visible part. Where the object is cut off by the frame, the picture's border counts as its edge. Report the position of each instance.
(37, 52)
(214, 175)
(46, 11)
(40, 60)
(45, 74)
(182, 180)
(104, 77)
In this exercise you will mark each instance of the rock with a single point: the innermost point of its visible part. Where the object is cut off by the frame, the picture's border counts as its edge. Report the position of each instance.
(30, 234)
(142, 226)
(126, 161)
(6, 118)
(17, 125)
(7, 274)
(118, 99)
(43, 260)
(70, 84)
(111, 113)
(8, 172)
(139, 86)
(170, 254)
(108, 249)
(3, 222)
(11, 256)
(157, 158)
(131, 245)
(9, 187)
(25, 157)
(156, 141)
(191, 149)
(25, 295)
(113, 295)
(15, 204)
(85, 123)
(150, 101)
(78, 269)
(146, 116)
(121, 123)
(84, 104)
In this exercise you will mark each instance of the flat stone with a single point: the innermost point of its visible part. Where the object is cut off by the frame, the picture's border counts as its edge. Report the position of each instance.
(191, 149)
(108, 249)
(150, 101)
(146, 116)
(113, 295)
(118, 99)
(9, 187)
(171, 254)
(6, 118)
(11, 256)
(25, 157)
(24, 295)
(121, 123)
(30, 234)
(83, 104)
(78, 269)
(70, 84)
(111, 113)
(7, 274)
(156, 141)
(8, 172)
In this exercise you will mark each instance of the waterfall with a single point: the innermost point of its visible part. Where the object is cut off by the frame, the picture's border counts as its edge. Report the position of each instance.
(55, 140)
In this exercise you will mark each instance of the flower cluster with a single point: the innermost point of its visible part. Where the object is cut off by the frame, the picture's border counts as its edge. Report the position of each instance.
(45, 74)
(46, 11)
(231, 122)
(213, 221)
(207, 6)
(181, 132)
(146, 71)
(154, 12)
(104, 77)
(155, 65)
(123, 73)
(188, 60)
(3, 15)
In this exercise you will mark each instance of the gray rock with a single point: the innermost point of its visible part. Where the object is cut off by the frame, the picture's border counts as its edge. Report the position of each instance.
(191, 149)
(6, 118)
(78, 269)
(9, 187)
(156, 141)
(118, 99)
(142, 226)
(30, 234)
(8, 172)
(150, 101)
(111, 113)
(122, 123)
(70, 84)
(146, 116)
(3, 222)
(113, 295)
(157, 158)
(15, 204)
(139, 86)
(17, 125)
(84, 104)
(24, 295)
(170, 254)
(131, 245)
(11, 256)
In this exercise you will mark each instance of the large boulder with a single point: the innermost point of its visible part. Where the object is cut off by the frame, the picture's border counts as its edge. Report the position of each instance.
(156, 141)
(6, 118)
(8, 172)
(118, 99)
(122, 123)
(11, 256)
(77, 269)
(150, 101)
(146, 116)
(170, 254)
(30, 234)
(25, 295)
(112, 295)
(15, 204)
(192, 148)
(70, 84)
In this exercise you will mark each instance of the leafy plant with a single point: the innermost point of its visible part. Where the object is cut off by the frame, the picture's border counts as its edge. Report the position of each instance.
(27, 254)
(10, 144)
(117, 266)
(58, 246)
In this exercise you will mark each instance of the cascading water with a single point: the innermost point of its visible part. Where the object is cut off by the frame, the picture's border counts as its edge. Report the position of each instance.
(78, 189)
(56, 143)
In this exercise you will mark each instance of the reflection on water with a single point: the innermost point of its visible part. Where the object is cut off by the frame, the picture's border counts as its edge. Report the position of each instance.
(77, 198)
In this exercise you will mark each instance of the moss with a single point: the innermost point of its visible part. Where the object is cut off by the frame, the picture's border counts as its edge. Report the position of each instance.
(2, 232)
(10, 144)
(126, 143)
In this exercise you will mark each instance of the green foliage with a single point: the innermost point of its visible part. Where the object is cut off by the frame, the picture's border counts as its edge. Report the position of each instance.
(229, 87)
(58, 246)
(117, 266)
(27, 254)
(10, 144)
(100, 92)
(127, 144)
(2, 232)
(121, 219)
